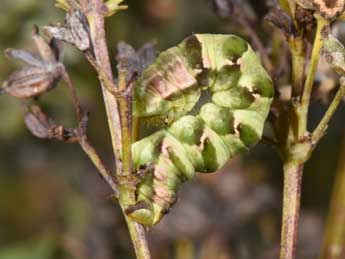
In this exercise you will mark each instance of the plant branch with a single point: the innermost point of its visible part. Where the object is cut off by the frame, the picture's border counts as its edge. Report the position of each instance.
(291, 205)
(322, 127)
(73, 93)
(95, 158)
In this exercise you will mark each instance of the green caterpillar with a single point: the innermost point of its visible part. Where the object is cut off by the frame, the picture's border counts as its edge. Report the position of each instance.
(235, 93)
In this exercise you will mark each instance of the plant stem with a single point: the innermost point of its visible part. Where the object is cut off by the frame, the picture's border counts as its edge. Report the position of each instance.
(98, 38)
(322, 127)
(291, 205)
(308, 86)
(334, 240)
(120, 142)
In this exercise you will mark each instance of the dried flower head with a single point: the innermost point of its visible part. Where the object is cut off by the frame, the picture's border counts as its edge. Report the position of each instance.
(75, 30)
(41, 73)
(329, 9)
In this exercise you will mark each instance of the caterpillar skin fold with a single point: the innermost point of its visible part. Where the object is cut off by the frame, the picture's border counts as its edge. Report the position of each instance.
(214, 95)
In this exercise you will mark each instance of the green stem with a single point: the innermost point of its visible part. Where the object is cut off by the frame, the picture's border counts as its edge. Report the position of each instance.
(308, 86)
(334, 240)
(291, 205)
(322, 127)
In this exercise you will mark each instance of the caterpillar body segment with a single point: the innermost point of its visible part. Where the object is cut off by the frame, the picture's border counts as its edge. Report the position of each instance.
(230, 122)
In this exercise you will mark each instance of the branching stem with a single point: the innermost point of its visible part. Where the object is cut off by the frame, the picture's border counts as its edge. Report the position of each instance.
(121, 140)
(322, 127)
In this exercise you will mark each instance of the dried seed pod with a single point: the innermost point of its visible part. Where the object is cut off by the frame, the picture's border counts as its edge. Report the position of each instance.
(42, 74)
(31, 81)
(75, 30)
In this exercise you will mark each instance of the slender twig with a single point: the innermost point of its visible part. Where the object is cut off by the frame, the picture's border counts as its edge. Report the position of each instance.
(97, 161)
(308, 86)
(334, 238)
(291, 206)
(322, 127)
(73, 93)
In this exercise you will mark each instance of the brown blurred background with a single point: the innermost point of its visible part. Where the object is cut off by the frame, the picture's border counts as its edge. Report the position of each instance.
(53, 204)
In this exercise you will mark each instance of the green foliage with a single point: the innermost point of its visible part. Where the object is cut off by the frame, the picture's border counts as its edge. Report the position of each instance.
(231, 122)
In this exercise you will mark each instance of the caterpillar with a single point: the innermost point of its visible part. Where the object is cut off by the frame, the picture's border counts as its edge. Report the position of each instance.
(214, 95)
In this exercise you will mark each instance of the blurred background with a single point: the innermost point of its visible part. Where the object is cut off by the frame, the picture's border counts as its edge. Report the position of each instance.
(53, 204)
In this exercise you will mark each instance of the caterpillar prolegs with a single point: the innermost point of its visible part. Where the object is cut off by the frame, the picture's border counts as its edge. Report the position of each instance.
(214, 95)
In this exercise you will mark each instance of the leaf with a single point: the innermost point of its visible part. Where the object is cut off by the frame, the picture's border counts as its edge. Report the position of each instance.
(199, 137)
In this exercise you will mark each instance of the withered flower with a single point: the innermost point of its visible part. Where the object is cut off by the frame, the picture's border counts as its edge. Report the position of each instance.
(43, 127)
(75, 30)
(41, 73)
(329, 9)
(132, 61)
